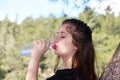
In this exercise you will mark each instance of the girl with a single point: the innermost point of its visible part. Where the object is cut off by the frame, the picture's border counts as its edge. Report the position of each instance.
(74, 45)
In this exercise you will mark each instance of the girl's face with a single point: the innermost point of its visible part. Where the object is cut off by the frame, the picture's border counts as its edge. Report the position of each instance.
(63, 45)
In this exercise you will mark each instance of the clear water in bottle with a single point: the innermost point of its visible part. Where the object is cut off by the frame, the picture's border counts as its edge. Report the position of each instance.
(26, 49)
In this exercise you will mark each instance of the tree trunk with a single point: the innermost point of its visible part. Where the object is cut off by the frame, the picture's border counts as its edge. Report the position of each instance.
(112, 71)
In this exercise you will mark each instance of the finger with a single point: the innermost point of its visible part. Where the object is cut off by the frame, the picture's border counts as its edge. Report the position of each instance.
(44, 42)
(48, 43)
(41, 44)
(36, 43)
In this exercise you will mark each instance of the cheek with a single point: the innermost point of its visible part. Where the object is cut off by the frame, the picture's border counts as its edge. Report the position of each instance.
(65, 48)
(67, 45)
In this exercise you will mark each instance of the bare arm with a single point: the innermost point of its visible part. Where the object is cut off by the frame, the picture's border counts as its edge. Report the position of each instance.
(40, 48)
(32, 72)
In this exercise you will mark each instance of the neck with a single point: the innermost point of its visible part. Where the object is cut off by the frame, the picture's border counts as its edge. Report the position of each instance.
(67, 63)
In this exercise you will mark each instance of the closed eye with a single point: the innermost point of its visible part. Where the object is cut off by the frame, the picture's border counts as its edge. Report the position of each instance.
(62, 36)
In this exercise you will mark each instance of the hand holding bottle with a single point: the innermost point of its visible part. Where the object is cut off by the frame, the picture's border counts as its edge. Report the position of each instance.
(26, 49)
(40, 47)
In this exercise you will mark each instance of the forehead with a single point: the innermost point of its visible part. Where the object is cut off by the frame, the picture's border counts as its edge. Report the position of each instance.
(63, 28)
(66, 28)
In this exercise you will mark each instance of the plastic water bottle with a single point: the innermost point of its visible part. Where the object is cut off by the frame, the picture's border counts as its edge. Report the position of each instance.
(26, 49)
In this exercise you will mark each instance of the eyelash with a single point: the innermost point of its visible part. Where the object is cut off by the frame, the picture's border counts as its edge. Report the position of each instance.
(62, 36)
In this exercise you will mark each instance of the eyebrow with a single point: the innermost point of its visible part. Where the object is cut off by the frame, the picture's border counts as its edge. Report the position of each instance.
(62, 32)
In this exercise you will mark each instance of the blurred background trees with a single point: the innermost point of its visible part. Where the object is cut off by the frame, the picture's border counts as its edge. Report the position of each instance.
(13, 66)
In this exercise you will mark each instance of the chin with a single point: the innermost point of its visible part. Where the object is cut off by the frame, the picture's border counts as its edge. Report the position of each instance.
(59, 54)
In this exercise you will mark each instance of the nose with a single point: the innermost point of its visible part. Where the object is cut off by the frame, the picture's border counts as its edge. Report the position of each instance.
(56, 39)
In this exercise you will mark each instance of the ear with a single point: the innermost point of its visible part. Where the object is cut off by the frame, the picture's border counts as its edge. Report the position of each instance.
(75, 47)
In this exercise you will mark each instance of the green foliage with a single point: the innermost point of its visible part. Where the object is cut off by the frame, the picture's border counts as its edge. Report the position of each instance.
(106, 36)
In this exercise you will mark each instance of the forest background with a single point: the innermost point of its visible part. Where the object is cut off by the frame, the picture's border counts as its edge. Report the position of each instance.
(13, 66)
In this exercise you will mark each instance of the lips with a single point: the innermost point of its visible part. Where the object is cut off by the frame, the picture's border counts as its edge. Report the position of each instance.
(54, 46)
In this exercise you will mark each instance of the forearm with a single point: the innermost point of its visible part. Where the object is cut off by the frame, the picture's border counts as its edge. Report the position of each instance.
(32, 72)
(41, 46)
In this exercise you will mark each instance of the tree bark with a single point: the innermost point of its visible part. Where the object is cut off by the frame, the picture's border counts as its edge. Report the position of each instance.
(112, 71)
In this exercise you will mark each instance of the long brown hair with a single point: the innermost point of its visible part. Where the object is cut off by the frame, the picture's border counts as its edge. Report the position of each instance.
(84, 58)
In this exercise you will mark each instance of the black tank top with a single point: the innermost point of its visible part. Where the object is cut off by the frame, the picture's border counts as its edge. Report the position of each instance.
(68, 74)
